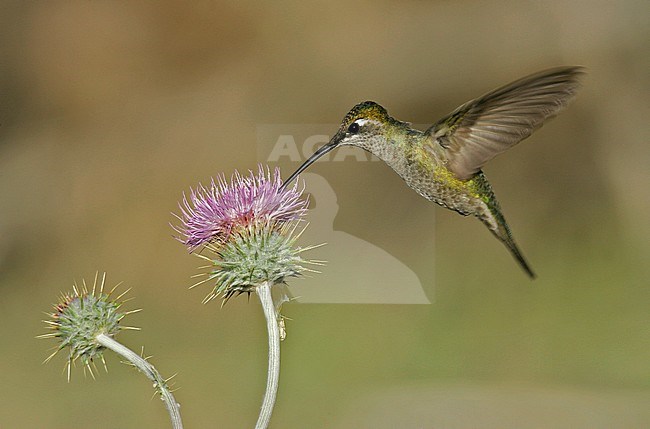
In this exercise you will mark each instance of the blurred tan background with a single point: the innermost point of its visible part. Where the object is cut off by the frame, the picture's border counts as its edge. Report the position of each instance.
(109, 111)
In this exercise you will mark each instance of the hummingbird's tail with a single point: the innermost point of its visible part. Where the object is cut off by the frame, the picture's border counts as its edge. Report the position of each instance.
(503, 234)
(496, 223)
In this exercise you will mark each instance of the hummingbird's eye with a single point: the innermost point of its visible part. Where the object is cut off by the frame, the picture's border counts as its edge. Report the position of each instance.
(353, 128)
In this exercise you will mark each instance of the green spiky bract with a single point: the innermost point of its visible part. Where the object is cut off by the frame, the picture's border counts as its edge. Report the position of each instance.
(80, 317)
(253, 255)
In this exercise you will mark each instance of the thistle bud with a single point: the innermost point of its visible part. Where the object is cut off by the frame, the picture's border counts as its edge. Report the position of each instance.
(80, 317)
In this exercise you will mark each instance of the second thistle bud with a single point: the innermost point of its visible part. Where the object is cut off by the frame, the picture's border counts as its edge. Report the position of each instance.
(80, 317)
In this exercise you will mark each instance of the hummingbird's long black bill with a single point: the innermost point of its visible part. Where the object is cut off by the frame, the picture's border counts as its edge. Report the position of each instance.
(320, 152)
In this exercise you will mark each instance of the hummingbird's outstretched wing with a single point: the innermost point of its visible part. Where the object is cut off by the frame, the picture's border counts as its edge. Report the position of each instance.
(482, 128)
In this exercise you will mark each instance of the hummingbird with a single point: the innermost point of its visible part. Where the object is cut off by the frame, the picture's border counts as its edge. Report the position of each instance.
(444, 163)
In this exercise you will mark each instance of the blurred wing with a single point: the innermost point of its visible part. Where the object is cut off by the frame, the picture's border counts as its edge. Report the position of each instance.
(482, 128)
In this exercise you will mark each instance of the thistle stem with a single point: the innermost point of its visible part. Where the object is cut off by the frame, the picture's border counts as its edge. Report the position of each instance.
(152, 374)
(264, 292)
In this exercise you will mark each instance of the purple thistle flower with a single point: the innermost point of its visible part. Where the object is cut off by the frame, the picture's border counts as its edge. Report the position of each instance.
(212, 214)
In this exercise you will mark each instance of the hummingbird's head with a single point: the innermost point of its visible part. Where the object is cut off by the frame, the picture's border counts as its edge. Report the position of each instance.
(363, 124)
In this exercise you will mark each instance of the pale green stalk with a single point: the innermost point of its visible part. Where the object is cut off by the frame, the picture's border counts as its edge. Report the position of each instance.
(152, 374)
(273, 327)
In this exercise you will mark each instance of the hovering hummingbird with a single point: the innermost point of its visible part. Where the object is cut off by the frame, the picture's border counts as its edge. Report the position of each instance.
(443, 164)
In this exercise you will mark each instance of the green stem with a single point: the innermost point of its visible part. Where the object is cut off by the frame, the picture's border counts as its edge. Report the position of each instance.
(264, 292)
(152, 374)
